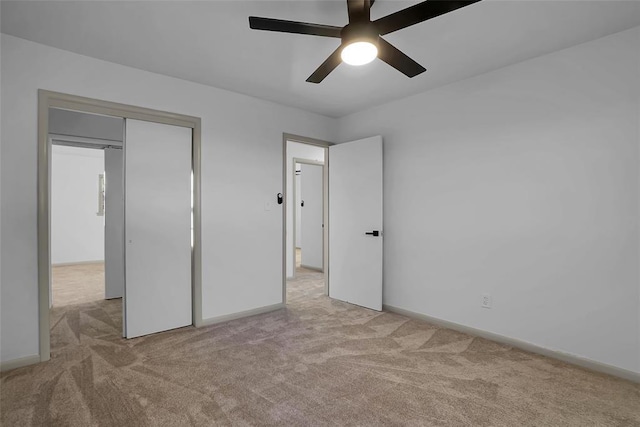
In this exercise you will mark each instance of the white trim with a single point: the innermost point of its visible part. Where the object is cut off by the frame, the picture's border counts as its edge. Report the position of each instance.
(19, 363)
(64, 264)
(523, 345)
(242, 314)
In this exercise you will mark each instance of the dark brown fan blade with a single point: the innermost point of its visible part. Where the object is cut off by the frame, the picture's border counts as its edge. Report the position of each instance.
(327, 66)
(417, 13)
(359, 10)
(282, 26)
(398, 60)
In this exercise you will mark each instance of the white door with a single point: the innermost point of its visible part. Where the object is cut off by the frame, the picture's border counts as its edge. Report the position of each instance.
(355, 222)
(311, 216)
(113, 224)
(157, 227)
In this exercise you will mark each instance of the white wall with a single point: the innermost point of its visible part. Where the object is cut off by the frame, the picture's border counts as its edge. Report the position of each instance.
(236, 130)
(114, 223)
(77, 233)
(299, 151)
(522, 183)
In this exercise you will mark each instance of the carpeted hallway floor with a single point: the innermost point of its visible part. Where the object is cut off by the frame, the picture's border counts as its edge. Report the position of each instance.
(77, 283)
(318, 362)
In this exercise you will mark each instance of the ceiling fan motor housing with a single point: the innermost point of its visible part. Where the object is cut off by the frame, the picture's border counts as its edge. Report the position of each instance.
(359, 32)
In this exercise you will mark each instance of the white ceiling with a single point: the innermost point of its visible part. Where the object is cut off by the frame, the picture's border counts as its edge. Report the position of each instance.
(210, 42)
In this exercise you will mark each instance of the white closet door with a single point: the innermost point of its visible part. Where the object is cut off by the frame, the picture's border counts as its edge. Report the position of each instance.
(311, 216)
(355, 222)
(157, 227)
(113, 224)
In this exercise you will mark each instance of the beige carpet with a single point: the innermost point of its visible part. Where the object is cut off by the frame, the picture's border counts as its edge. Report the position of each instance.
(77, 284)
(318, 362)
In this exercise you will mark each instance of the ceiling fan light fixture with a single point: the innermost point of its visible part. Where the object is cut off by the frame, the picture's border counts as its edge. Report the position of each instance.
(360, 38)
(359, 53)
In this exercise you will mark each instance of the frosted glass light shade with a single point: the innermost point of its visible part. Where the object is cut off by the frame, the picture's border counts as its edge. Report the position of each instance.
(359, 53)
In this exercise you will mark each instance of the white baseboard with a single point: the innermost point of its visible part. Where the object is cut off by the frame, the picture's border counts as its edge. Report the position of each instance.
(308, 267)
(533, 348)
(64, 264)
(240, 315)
(19, 363)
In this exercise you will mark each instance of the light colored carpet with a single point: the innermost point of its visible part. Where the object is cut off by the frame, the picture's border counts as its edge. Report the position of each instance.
(317, 362)
(77, 284)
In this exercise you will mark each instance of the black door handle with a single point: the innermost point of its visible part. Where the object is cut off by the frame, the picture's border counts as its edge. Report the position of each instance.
(374, 233)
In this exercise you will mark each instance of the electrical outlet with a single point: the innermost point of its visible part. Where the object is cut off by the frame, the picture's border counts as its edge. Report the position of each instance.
(486, 301)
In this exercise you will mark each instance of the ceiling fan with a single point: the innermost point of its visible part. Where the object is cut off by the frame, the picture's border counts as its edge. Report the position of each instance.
(361, 41)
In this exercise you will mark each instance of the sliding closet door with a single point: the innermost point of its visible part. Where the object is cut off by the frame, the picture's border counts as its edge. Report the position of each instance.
(157, 227)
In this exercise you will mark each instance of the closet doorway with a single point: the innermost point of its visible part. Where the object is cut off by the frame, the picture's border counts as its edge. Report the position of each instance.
(160, 227)
(84, 234)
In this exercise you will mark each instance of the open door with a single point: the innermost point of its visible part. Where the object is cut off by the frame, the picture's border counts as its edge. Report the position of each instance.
(157, 227)
(355, 222)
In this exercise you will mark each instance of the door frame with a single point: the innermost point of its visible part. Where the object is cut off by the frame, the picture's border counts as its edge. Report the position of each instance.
(48, 99)
(295, 216)
(325, 185)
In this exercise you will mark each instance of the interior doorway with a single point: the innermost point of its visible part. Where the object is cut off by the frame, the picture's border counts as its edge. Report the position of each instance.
(308, 214)
(77, 225)
(305, 218)
(352, 219)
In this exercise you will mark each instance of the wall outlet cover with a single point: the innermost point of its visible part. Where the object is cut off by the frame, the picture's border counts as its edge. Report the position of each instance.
(486, 301)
